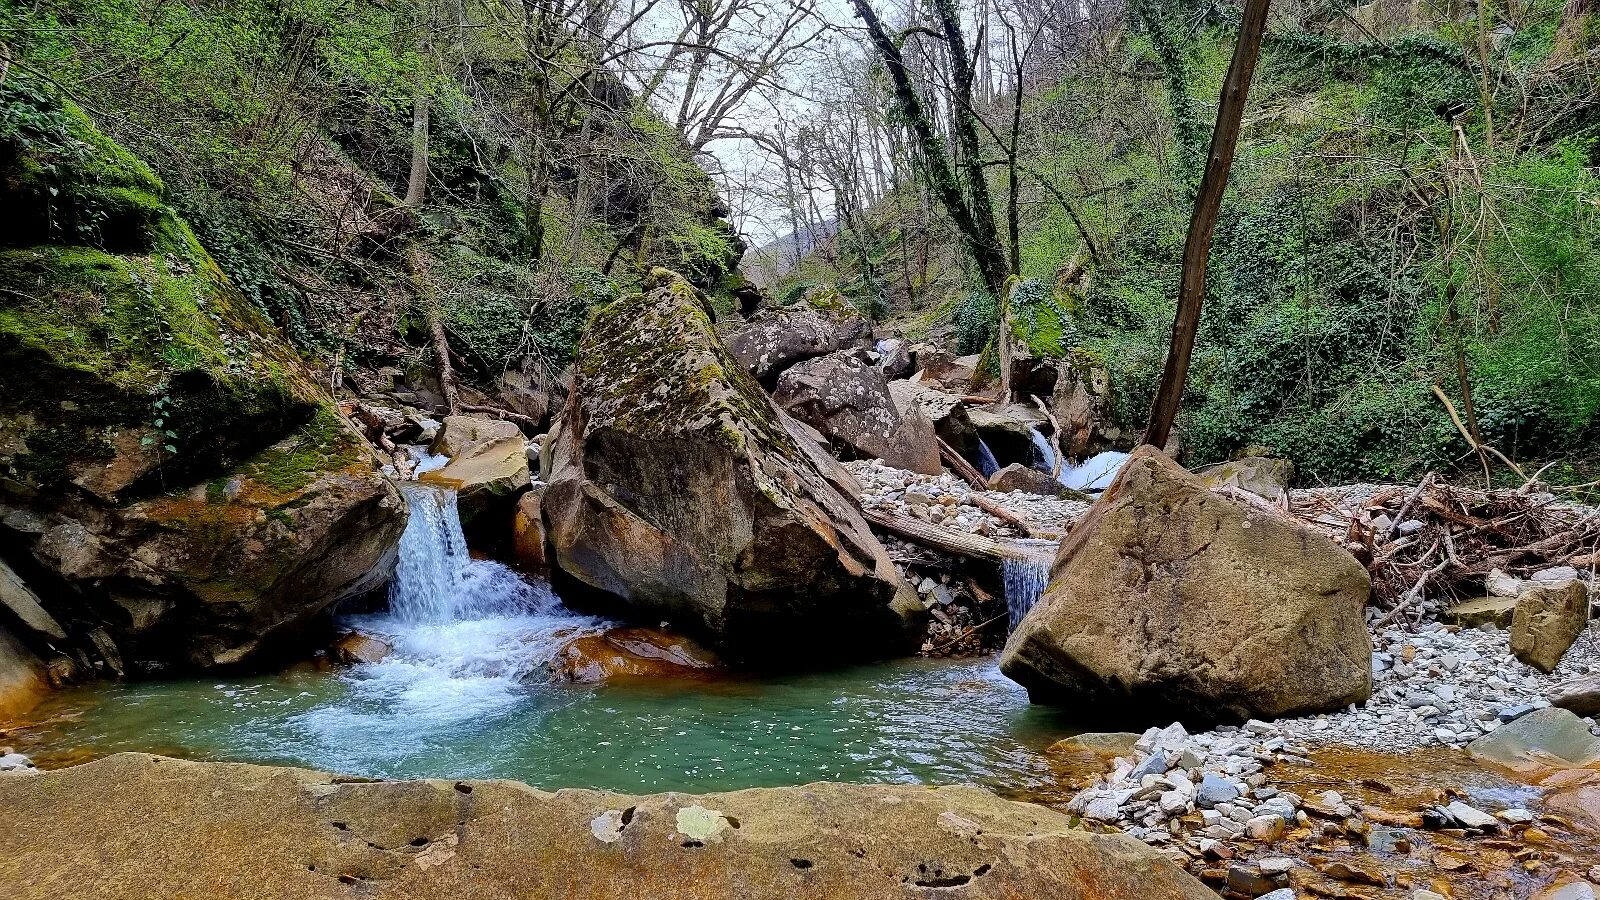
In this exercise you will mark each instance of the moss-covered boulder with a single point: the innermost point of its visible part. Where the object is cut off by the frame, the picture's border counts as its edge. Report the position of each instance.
(175, 484)
(778, 338)
(678, 489)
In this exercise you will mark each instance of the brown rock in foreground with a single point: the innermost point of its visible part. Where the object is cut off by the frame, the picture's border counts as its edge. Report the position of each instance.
(136, 826)
(1170, 601)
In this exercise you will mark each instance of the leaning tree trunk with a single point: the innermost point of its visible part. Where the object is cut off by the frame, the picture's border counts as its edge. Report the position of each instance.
(417, 183)
(1197, 247)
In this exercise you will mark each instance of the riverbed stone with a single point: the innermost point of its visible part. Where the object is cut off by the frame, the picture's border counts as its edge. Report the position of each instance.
(679, 492)
(1497, 611)
(1549, 616)
(1171, 601)
(1536, 742)
(137, 826)
(1580, 696)
(632, 652)
(460, 434)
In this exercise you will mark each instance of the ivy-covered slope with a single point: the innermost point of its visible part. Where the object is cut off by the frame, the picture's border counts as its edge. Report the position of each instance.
(1403, 208)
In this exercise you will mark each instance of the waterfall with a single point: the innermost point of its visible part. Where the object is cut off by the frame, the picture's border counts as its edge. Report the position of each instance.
(1047, 454)
(437, 581)
(1025, 580)
(987, 464)
(466, 634)
(1094, 474)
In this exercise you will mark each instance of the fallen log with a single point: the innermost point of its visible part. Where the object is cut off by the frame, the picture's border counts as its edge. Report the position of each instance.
(974, 546)
(959, 465)
(1001, 513)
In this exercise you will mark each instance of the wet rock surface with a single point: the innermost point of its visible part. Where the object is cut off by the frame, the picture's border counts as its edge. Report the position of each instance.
(137, 826)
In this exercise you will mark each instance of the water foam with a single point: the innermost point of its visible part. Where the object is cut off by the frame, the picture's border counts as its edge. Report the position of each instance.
(466, 635)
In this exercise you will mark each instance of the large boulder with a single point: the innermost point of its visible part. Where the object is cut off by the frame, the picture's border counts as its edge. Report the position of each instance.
(1170, 601)
(22, 677)
(1018, 477)
(849, 402)
(136, 826)
(1085, 405)
(947, 412)
(777, 338)
(180, 490)
(677, 489)
(1548, 618)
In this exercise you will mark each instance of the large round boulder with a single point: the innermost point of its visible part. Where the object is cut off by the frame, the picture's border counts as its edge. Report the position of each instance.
(848, 401)
(677, 490)
(180, 491)
(1171, 601)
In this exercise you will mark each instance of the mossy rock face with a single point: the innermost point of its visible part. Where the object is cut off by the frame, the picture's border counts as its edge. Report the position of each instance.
(678, 491)
(174, 472)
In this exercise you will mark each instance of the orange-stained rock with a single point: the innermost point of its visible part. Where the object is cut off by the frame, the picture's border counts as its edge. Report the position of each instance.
(632, 653)
(356, 647)
(527, 531)
(22, 678)
(138, 826)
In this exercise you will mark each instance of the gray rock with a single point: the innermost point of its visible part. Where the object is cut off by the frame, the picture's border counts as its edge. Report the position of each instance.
(1215, 789)
(1535, 738)
(1580, 697)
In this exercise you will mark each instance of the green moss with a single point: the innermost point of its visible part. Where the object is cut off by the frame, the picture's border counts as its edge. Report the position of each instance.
(323, 445)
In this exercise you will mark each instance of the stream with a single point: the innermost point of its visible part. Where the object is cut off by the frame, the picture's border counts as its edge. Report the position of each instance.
(466, 694)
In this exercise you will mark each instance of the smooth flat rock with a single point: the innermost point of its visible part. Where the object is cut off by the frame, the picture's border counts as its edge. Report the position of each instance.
(1495, 611)
(1541, 740)
(137, 826)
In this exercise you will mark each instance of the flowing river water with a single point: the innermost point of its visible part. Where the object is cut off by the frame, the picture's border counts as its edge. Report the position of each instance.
(466, 693)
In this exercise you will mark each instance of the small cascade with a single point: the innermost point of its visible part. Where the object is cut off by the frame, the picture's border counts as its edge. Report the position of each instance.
(466, 633)
(1047, 454)
(1095, 473)
(1025, 580)
(987, 464)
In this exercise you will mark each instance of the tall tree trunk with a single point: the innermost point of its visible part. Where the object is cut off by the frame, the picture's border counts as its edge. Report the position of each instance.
(1197, 246)
(977, 229)
(417, 184)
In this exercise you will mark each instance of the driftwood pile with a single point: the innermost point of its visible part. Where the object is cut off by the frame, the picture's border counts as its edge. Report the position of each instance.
(1434, 543)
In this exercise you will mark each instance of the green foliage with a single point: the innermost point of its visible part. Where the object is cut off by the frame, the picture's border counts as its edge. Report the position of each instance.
(975, 319)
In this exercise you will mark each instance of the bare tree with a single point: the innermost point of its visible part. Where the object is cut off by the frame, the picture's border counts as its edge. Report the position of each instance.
(1208, 201)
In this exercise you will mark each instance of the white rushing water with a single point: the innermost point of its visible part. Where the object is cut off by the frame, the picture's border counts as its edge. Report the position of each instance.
(1025, 581)
(987, 464)
(1047, 454)
(465, 633)
(1095, 473)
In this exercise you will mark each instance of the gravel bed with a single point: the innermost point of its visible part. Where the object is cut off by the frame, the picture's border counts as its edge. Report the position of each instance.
(944, 500)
